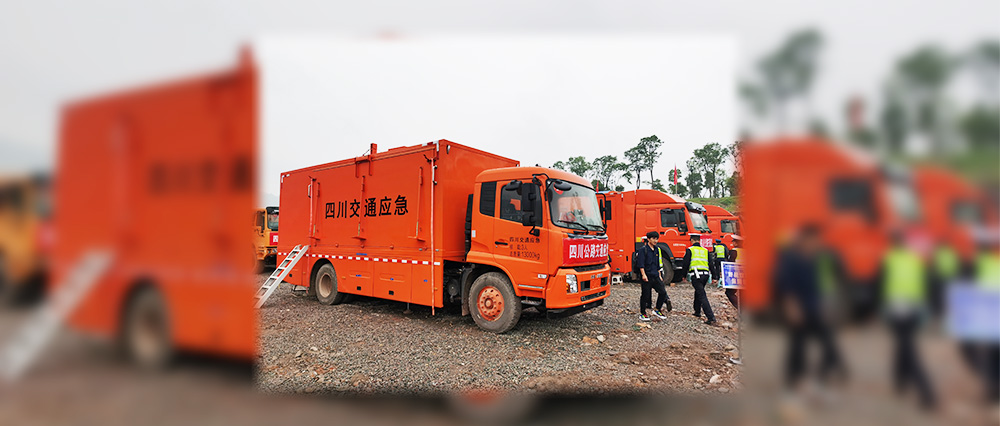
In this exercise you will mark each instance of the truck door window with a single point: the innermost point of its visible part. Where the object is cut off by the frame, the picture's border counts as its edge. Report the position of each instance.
(668, 218)
(729, 227)
(853, 195)
(487, 198)
(510, 206)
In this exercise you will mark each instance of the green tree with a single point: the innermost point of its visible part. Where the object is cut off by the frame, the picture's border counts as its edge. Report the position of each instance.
(707, 160)
(634, 164)
(620, 188)
(984, 62)
(657, 185)
(560, 165)
(694, 183)
(788, 72)
(733, 184)
(893, 123)
(922, 76)
(650, 148)
(579, 166)
(981, 127)
(607, 170)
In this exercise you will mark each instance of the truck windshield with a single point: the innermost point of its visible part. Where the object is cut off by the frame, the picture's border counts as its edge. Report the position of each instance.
(729, 227)
(698, 221)
(576, 208)
(904, 200)
(272, 218)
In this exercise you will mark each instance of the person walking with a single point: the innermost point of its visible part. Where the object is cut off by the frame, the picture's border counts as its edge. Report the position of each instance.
(697, 261)
(721, 254)
(797, 284)
(904, 292)
(649, 259)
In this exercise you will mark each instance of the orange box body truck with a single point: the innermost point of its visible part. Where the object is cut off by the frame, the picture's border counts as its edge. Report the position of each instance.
(443, 223)
(163, 178)
(630, 215)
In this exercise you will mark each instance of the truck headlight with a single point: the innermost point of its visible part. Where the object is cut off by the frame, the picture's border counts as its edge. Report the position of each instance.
(571, 286)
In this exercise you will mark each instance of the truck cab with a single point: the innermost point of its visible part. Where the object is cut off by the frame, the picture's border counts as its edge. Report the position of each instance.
(542, 228)
(265, 236)
(631, 215)
(723, 224)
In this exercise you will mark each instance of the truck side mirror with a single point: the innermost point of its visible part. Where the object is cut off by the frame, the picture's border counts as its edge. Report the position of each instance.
(514, 185)
(561, 185)
(682, 227)
(530, 204)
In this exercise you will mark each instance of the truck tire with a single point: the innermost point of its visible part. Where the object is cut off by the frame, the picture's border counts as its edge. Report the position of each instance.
(493, 304)
(668, 272)
(325, 286)
(146, 331)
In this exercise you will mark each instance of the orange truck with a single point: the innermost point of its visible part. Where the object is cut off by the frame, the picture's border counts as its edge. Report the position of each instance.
(630, 215)
(790, 182)
(265, 237)
(129, 166)
(25, 237)
(724, 225)
(445, 224)
(952, 209)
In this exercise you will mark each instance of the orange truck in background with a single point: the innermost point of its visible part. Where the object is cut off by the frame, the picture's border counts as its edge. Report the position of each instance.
(265, 237)
(25, 237)
(724, 225)
(953, 209)
(788, 183)
(445, 224)
(630, 215)
(127, 164)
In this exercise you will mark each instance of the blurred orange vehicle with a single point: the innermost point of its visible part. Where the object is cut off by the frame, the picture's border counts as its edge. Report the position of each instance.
(788, 183)
(130, 165)
(25, 237)
(724, 225)
(630, 215)
(443, 223)
(952, 209)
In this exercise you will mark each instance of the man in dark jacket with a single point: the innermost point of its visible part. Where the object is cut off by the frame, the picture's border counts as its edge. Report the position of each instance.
(797, 286)
(649, 259)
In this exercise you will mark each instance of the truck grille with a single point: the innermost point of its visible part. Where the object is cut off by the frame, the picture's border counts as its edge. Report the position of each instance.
(588, 268)
(592, 296)
(584, 285)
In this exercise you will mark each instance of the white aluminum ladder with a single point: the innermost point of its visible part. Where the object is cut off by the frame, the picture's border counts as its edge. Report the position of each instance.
(42, 325)
(279, 274)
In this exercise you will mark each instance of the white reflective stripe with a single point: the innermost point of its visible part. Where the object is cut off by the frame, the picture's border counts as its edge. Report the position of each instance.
(426, 263)
(395, 260)
(437, 263)
(531, 286)
(350, 257)
(368, 258)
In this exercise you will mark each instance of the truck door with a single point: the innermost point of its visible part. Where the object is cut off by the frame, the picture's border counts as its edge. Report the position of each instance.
(524, 255)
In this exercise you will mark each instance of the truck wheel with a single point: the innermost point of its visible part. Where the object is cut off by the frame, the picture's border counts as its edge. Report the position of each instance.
(325, 285)
(493, 304)
(146, 333)
(668, 272)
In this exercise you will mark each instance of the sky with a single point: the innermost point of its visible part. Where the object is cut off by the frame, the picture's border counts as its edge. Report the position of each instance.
(54, 51)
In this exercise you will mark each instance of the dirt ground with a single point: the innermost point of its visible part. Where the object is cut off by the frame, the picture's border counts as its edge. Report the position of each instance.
(371, 346)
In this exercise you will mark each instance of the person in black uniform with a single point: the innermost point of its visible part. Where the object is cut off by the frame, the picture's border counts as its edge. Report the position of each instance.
(649, 258)
(697, 262)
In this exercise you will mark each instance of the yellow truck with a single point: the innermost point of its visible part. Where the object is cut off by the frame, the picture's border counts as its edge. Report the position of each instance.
(265, 237)
(25, 236)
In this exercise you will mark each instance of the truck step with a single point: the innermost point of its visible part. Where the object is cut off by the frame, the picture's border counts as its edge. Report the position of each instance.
(279, 274)
(42, 325)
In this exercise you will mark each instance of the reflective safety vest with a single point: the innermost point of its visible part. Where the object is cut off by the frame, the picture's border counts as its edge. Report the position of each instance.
(659, 252)
(904, 277)
(699, 258)
(988, 271)
(946, 262)
(720, 252)
(827, 277)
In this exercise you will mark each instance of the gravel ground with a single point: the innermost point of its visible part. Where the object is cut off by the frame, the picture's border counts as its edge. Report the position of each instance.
(370, 346)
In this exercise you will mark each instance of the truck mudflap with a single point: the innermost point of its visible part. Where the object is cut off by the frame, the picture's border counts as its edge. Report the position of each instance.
(563, 313)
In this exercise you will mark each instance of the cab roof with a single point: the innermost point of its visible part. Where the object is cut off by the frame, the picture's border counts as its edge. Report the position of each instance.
(506, 173)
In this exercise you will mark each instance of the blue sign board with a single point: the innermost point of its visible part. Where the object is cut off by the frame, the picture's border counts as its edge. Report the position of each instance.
(732, 275)
(973, 313)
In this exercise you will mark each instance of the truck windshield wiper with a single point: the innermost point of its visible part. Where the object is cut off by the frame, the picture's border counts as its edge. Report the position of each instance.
(582, 226)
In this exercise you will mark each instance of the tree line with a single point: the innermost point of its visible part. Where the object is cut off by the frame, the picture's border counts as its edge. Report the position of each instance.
(705, 174)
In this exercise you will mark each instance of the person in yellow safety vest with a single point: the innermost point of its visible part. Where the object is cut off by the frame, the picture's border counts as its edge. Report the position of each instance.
(721, 254)
(904, 293)
(697, 262)
(946, 266)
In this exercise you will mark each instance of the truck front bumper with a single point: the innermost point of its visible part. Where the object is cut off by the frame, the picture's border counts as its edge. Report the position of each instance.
(563, 313)
(593, 286)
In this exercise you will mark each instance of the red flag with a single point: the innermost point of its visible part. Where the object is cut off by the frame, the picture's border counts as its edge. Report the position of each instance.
(675, 176)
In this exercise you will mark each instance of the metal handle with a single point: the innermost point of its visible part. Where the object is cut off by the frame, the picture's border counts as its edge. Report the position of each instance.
(500, 243)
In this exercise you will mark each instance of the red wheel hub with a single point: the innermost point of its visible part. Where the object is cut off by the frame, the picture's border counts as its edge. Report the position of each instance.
(490, 303)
